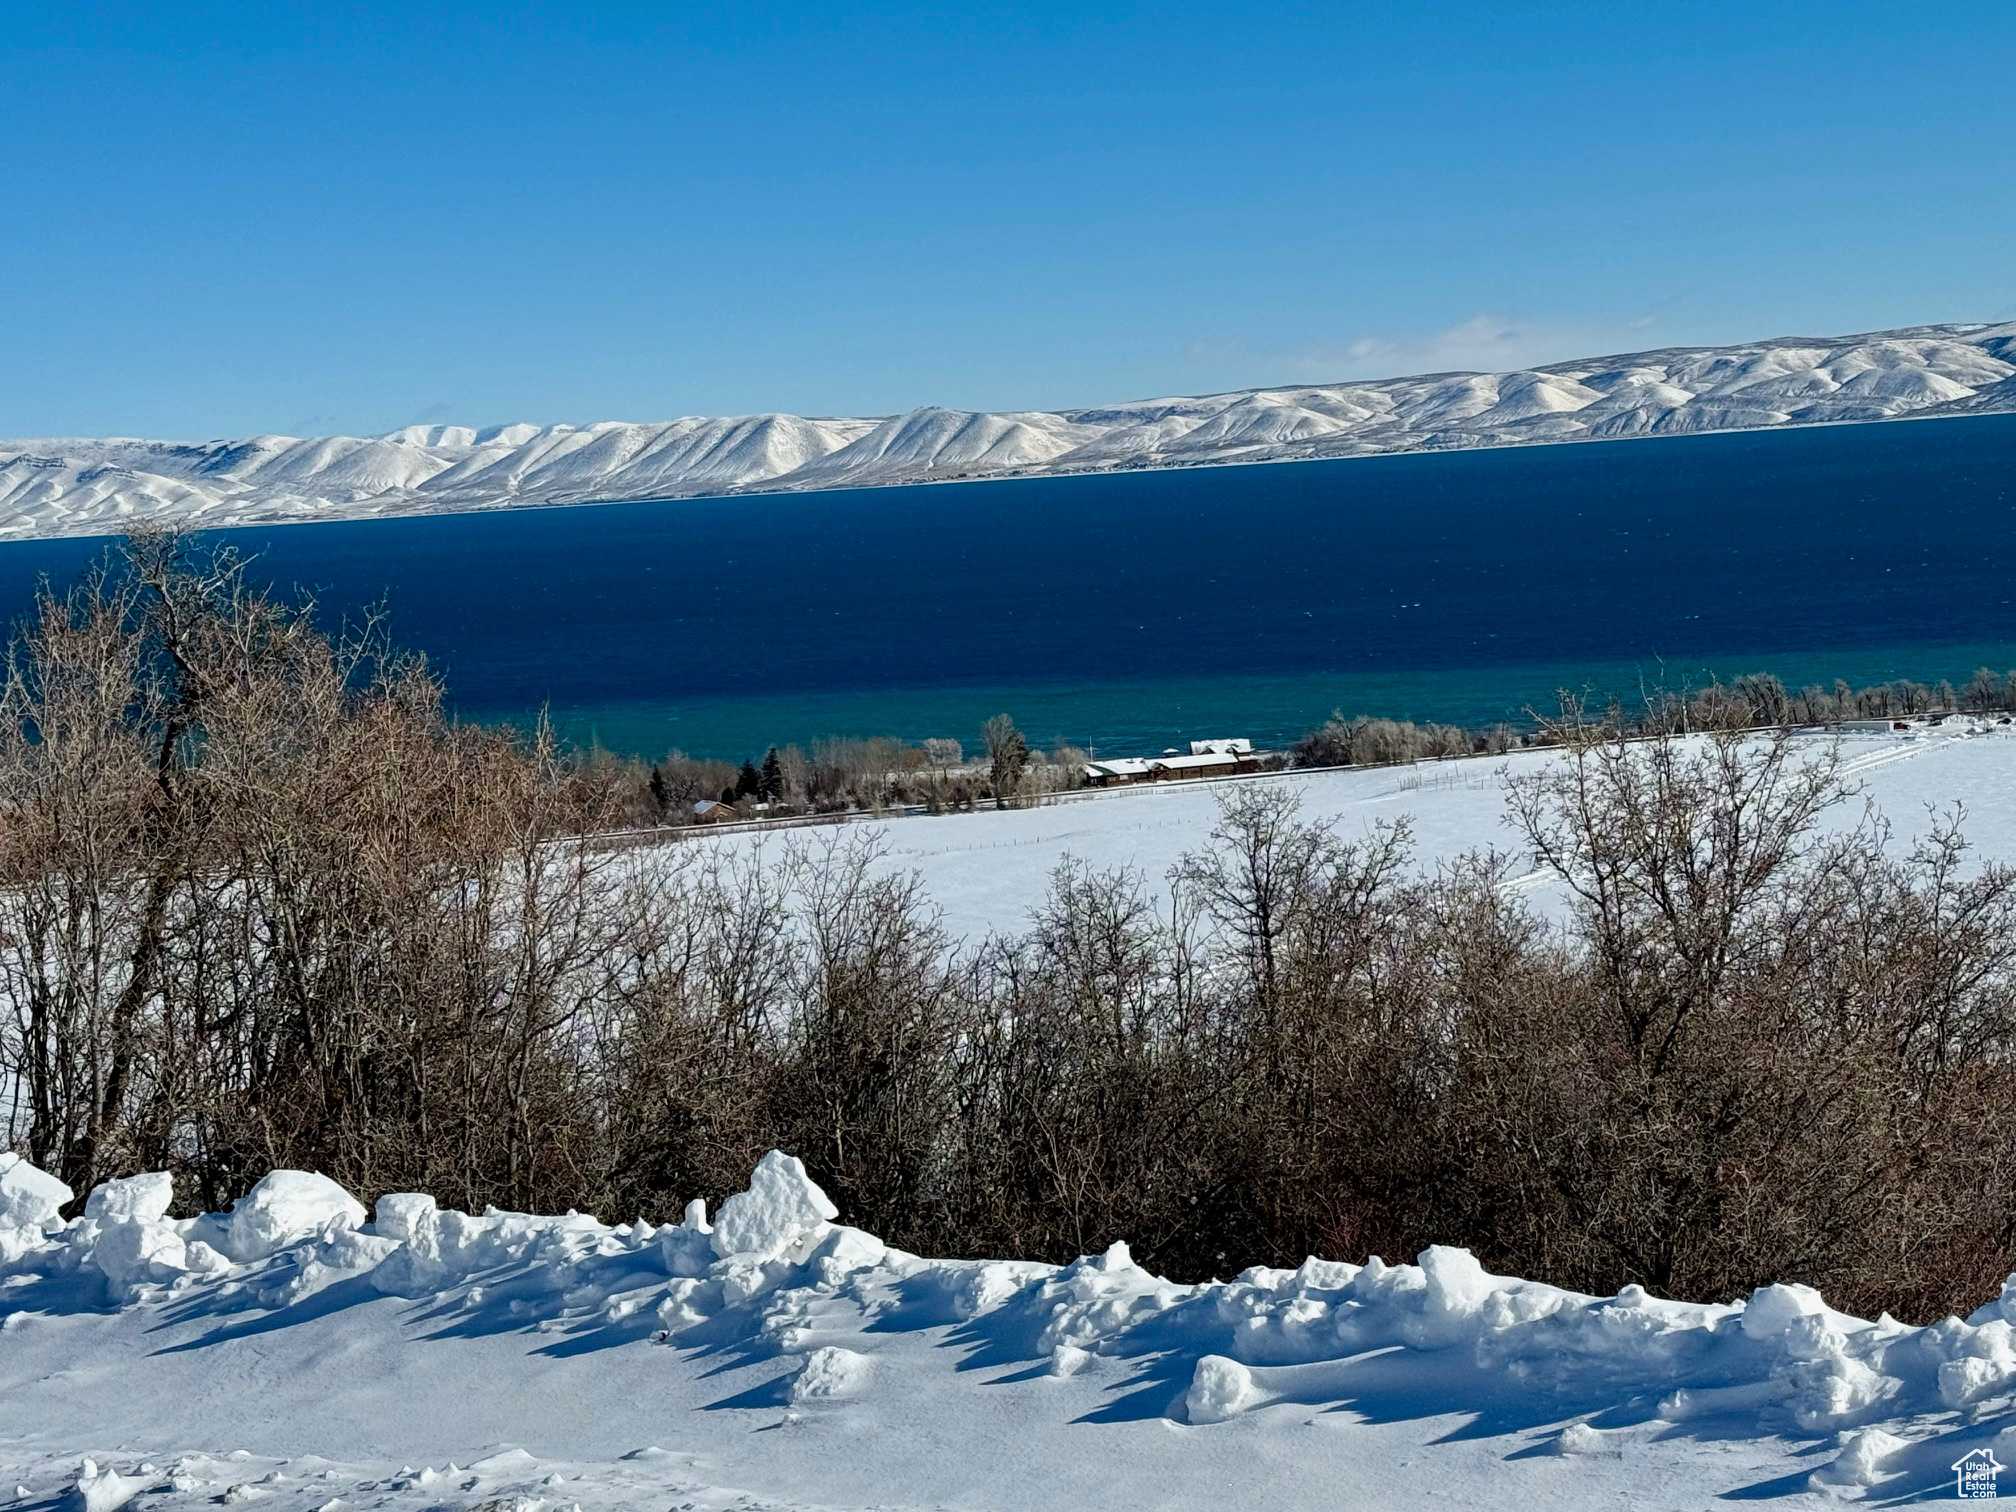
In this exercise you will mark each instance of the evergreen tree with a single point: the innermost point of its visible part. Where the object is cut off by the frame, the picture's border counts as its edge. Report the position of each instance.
(1007, 755)
(748, 781)
(661, 798)
(770, 783)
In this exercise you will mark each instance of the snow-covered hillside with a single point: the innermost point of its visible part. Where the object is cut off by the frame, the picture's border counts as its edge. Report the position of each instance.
(986, 871)
(55, 487)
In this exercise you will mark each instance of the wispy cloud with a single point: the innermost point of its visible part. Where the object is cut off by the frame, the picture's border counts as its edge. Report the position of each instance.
(1490, 342)
(356, 423)
(1483, 343)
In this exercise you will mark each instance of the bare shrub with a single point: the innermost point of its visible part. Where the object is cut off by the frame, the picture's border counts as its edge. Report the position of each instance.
(262, 903)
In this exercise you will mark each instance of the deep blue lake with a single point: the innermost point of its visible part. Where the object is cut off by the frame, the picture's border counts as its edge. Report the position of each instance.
(1133, 610)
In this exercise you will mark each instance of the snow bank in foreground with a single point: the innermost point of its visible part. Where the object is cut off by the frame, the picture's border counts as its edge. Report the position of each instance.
(30, 1200)
(776, 1270)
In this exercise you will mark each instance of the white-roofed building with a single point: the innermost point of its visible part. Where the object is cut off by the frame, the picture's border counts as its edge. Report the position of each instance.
(1126, 770)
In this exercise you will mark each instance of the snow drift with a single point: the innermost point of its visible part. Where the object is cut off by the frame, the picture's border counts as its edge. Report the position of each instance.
(1851, 1405)
(68, 486)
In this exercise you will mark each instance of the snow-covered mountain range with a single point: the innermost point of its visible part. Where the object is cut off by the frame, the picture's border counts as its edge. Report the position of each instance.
(67, 487)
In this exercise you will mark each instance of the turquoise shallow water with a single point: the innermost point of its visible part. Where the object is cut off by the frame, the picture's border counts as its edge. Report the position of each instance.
(1148, 714)
(1132, 611)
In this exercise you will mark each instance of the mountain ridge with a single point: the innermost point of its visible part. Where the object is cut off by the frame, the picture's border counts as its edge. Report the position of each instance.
(82, 486)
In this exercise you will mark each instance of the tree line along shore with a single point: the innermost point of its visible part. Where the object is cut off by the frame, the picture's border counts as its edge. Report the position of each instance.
(880, 775)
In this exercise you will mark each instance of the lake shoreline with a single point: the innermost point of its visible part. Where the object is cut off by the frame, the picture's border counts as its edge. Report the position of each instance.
(1130, 611)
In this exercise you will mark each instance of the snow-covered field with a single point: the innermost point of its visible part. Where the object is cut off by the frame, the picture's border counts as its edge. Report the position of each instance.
(293, 1354)
(87, 486)
(985, 871)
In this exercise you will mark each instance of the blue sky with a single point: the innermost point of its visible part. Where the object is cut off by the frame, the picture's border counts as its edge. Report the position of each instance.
(224, 219)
